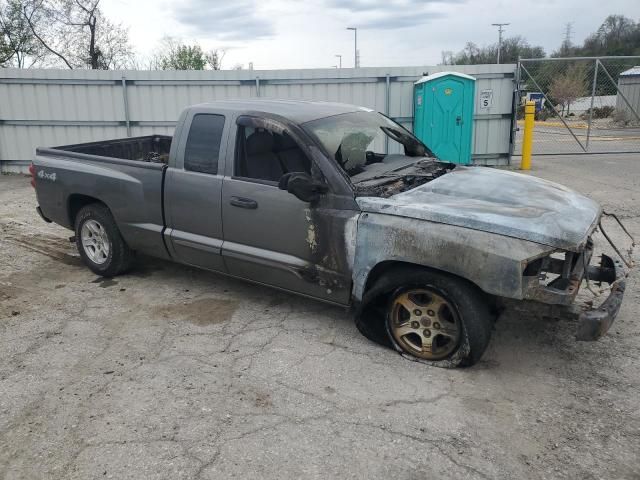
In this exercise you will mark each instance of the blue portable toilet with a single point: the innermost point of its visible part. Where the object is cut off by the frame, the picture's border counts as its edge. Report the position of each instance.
(443, 114)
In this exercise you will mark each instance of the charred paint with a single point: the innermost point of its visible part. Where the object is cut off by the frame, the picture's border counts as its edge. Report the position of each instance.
(499, 202)
(331, 237)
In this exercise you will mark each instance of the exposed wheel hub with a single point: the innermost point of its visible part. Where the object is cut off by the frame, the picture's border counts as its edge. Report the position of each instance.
(432, 337)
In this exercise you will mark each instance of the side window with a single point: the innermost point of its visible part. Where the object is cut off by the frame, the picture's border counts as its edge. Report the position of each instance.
(203, 143)
(265, 155)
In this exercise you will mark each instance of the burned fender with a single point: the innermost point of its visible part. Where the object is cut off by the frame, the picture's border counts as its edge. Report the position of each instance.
(492, 262)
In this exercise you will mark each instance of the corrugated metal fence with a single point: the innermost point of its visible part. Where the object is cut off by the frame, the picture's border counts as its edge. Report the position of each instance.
(57, 107)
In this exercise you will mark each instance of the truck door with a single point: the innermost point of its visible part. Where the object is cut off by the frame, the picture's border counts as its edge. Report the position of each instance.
(193, 187)
(270, 236)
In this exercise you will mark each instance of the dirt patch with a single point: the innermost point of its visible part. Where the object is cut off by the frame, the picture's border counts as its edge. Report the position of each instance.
(9, 300)
(201, 312)
(8, 291)
(263, 400)
(49, 245)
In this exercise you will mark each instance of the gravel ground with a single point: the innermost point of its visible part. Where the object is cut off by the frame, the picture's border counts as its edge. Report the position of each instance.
(170, 372)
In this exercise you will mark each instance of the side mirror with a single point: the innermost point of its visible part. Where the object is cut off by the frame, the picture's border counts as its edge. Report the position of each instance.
(302, 186)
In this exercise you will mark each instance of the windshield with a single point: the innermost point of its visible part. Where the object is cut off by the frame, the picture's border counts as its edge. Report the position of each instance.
(359, 139)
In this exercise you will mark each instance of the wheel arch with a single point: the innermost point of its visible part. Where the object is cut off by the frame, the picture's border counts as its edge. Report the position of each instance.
(76, 202)
(386, 266)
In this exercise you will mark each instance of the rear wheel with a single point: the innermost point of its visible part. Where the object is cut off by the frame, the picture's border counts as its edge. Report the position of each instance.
(100, 243)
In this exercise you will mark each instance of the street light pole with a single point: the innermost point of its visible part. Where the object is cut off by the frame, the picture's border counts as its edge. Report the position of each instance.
(500, 30)
(339, 60)
(355, 46)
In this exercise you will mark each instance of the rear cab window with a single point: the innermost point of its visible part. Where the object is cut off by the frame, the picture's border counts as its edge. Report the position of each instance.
(202, 150)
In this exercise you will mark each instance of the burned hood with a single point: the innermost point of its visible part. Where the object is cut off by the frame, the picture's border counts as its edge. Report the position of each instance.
(497, 201)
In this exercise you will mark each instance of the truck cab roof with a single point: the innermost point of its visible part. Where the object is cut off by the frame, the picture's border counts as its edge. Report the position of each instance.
(297, 111)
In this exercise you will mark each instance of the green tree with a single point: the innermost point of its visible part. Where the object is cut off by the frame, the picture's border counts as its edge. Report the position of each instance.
(618, 35)
(173, 54)
(18, 47)
(185, 57)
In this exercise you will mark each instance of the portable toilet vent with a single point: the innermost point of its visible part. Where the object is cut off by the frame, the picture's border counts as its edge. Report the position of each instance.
(443, 114)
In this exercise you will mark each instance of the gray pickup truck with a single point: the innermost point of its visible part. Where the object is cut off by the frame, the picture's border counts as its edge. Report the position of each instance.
(338, 203)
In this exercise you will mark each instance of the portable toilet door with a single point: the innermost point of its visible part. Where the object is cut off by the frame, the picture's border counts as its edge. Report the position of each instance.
(443, 115)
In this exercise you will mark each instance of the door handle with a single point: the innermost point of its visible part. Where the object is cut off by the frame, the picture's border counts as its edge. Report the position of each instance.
(243, 203)
(458, 120)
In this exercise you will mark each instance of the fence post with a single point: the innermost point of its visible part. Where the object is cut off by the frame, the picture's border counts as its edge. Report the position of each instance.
(527, 141)
(257, 86)
(515, 101)
(126, 105)
(387, 107)
(593, 96)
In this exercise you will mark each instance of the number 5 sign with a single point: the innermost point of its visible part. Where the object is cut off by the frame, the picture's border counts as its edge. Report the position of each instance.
(486, 98)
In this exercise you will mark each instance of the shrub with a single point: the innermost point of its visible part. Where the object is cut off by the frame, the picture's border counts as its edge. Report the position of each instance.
(603, 112)
(543, 115)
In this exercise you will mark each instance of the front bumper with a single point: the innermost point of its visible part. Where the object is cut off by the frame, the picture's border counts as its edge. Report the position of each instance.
(571, 271)
(594, 323)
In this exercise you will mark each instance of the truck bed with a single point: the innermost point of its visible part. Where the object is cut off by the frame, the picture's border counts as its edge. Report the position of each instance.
(151, 148)
(127, 175)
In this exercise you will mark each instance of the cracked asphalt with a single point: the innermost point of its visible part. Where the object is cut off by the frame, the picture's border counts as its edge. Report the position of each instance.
(170, 373)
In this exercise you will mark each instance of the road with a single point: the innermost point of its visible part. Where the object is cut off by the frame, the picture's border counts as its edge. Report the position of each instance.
(555, 138)
(173, 373)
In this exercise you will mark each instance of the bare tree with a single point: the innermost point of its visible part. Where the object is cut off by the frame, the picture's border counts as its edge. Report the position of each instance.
(77, 33)
(446, 57)
(569, 86)
(214, 58)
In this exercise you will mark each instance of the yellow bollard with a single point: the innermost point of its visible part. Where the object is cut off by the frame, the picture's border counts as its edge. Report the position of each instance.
(527, 140)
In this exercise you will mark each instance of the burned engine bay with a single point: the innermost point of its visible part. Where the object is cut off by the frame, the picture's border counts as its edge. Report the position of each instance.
(393, 181)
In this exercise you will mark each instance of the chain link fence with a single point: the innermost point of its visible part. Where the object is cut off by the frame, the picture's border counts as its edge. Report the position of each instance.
(583, 104)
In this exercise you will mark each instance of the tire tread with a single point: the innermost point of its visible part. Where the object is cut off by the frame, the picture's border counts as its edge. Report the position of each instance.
(122, 256)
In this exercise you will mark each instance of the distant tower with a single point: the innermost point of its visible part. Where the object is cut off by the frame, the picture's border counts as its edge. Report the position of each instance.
(568, 31)
(565, 48)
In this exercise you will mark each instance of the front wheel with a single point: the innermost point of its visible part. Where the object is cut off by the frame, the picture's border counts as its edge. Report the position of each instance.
(428, 316)
(100, 243)
(438, 319)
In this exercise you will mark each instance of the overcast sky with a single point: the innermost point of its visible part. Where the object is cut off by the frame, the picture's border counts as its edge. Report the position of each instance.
(307, 34)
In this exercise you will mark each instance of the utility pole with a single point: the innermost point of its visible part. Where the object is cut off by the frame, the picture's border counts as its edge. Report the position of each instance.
(500, 30)
(356, 62)
(339, 61)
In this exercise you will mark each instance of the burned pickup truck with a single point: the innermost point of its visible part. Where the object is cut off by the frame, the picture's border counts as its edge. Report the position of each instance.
(337, 203)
